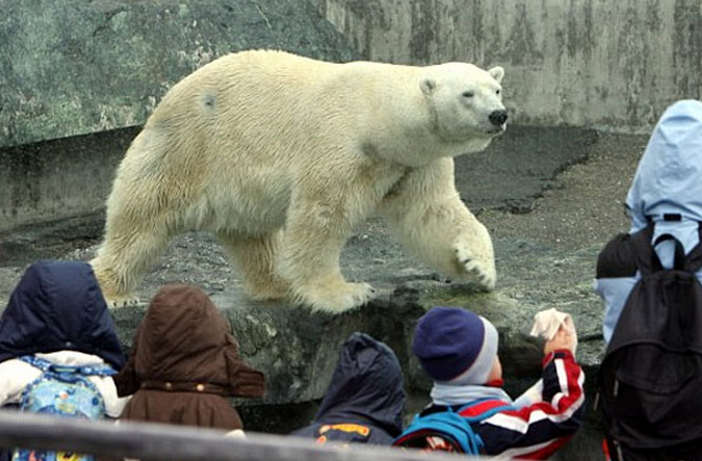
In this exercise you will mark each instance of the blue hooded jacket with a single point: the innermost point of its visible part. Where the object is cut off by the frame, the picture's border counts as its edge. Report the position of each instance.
(56, 306)
(668, 180)
(366, 390)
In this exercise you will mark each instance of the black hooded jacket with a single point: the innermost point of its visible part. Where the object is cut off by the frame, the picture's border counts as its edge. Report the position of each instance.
(365, 392)
(56, 306)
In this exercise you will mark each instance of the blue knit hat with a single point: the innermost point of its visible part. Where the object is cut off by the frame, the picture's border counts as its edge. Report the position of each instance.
(455, 344)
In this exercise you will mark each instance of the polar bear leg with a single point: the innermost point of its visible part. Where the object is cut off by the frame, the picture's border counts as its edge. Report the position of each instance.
(254, 257)
(332, 294)
(427, 213)
(310, 260)
(320, 218)
(474, 255)
(123, 259)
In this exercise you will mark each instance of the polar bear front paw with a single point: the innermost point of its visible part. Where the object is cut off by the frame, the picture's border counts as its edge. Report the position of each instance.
(484, 273)
(334, 297)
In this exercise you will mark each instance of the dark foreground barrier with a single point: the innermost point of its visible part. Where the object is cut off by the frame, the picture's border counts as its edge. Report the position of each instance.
(156, 442)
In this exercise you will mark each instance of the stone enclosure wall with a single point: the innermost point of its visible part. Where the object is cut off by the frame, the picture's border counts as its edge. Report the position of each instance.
(612, 65)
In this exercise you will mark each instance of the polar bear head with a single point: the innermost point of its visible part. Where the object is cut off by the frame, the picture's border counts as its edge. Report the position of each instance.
(465, 102)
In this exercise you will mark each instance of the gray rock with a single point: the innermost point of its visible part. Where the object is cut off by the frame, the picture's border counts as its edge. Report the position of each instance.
(298, 350)
(71, 67)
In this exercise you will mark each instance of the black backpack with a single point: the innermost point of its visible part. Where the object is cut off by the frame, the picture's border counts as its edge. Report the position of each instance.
(650, 379)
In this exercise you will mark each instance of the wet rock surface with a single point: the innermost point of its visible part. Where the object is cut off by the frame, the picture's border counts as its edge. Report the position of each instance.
(77, 67)
(551, 197)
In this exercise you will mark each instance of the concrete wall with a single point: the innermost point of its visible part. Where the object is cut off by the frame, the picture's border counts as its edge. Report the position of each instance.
(55, 179)
(611, 64)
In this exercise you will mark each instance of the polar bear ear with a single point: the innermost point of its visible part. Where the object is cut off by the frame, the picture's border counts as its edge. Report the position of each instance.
(497, 73)
(428, 85)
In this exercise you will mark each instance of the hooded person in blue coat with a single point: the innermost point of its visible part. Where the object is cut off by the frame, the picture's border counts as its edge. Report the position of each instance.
(365, 400)
(57, 316)
(666, 191)
(56, 306)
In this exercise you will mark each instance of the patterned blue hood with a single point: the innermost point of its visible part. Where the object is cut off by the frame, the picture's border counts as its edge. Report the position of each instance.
(58, 305)
(669, 176)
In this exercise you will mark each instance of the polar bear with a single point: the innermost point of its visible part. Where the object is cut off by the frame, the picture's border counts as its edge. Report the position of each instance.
(281, 156)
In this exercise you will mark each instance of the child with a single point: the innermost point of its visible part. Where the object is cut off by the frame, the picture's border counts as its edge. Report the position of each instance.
(666, 191)
(365, 399)
(648, 278)
(185, 363)
(458, 349)
(57, 338)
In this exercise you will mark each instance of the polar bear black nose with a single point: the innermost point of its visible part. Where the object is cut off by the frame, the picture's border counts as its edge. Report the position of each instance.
(498, 117)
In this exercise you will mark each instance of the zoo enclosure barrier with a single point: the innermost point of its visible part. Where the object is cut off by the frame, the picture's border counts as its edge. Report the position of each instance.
(159, 442)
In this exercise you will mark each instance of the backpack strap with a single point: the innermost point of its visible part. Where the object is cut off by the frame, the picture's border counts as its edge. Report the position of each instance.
(479, 444)
(679, 257)
(645, 255)
(647, 260)
(37, 362)
(693, 262)
(97, 370)
(47, 366)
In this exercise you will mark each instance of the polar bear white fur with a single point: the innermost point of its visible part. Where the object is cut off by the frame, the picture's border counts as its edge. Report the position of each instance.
(281, 156)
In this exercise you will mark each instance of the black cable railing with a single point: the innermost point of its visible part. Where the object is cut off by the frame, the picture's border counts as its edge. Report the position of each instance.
(159, 442)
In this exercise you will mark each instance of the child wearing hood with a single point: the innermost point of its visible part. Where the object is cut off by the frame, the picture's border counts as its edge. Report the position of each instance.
(458, 350)
(664, 200)
(365, 400)
(185, 363)
(666, 191)
(57, 321)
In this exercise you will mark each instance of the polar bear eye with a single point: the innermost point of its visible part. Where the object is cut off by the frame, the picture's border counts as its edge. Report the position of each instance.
(468, 94)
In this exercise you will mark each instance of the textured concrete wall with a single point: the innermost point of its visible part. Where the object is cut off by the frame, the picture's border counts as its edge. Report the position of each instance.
(55, 179)
(597, 63)
(71, 67)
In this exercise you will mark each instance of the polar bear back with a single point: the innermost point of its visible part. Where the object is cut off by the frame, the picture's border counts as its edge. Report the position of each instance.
(277, 104)
(245, 127)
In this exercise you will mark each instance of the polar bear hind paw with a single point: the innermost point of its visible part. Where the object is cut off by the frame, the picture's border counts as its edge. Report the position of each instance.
(468, 263)
(335, 297)
(123, 301)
